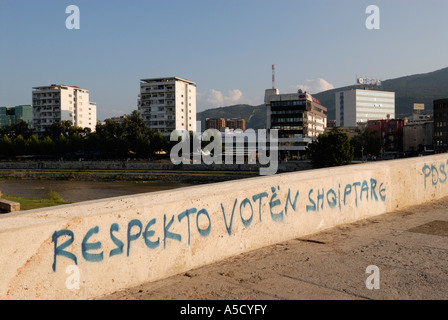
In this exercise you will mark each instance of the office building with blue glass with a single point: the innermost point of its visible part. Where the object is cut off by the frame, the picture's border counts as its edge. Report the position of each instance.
(11, 115)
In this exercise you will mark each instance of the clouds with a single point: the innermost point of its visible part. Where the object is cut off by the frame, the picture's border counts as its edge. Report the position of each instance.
(216, 98)
(314, 86)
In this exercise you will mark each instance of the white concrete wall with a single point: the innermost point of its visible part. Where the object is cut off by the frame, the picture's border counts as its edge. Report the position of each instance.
(67, 108)
(191, 109)
(183, 100)
(122, 242)
(91, 115)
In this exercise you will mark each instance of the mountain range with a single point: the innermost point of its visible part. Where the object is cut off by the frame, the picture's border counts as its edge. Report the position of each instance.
(418, 88)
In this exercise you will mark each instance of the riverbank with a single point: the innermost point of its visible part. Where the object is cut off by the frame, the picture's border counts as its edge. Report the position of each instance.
(139, 171)
(79, 191)
(161, 170)
(190, 177)
(35, 203)
(78, 181)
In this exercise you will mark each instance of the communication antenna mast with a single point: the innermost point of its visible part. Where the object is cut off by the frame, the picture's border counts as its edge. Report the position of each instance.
(273, 76)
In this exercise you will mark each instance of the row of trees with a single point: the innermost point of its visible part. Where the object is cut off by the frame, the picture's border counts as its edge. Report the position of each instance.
(111, 140)
(133, 139)
(336, 148)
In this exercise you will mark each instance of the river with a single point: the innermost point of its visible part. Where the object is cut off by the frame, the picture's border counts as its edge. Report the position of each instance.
(77, 191)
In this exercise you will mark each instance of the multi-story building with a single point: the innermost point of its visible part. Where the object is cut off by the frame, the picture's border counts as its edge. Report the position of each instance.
(418, 133)
(298, 117)
(418, 137)
(416, 118)
(11, 115)
(120, 119)
(168, 104)
(55, 103)
(215, 123)
(220, 124)
(441, 125)
(391, 133)
(350, 131)
(359, 106)
(236, 123)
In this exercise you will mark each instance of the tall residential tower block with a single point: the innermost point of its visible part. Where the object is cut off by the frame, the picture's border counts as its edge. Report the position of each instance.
(55, 103)
(168, 104)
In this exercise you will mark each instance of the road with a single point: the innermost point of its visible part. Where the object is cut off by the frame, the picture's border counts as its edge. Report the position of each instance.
(407, 252)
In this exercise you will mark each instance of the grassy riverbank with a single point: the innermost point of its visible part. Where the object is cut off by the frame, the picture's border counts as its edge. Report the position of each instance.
(52, 200)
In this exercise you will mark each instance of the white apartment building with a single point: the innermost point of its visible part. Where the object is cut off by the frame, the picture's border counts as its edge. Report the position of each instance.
(358, 106)
(55, 103)
(168, 104)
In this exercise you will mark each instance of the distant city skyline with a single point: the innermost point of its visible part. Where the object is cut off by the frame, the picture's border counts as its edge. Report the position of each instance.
(226, 47)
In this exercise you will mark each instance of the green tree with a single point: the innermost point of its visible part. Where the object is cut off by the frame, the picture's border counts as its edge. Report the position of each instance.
(62, 145)
(6, 146)
(366, 143)
(76, 143)
(134, 125)
(158, 142)
(109, 138)
(21, 128)
(331, 149)
(47, 146)
(93, 143)
(33, 145)
(61, 128)
(137, 136)
(20, 145)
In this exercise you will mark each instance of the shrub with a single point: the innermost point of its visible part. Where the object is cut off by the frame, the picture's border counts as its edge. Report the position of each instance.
(54, 196)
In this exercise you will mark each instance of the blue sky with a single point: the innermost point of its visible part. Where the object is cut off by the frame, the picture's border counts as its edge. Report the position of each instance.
(226, 46)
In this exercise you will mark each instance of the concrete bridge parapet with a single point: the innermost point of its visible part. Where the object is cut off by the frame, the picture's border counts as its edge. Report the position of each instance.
(89, 249)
